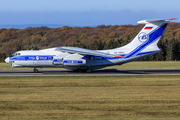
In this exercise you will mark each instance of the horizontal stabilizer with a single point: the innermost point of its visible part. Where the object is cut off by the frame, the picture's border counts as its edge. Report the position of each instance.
(157, 20)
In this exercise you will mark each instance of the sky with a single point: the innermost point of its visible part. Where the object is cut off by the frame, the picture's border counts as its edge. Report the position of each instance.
(85, 12)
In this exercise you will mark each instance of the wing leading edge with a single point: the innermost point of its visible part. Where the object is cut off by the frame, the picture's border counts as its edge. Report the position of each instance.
(83, 51)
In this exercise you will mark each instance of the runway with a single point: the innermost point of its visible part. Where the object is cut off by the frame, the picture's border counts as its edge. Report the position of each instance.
(100, 72)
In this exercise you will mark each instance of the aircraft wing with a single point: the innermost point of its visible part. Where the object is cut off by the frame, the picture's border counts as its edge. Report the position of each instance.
(83, 51)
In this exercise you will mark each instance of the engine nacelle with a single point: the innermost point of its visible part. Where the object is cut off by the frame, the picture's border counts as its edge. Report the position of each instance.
(74, 60)
(57, 60)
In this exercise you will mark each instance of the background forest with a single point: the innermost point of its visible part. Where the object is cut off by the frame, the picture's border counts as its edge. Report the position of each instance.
(94, 38)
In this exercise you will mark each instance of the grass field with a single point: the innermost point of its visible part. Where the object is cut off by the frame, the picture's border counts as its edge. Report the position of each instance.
(96, 97)
(131, 65)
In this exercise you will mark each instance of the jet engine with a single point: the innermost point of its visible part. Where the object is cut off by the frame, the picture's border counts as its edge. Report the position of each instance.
(74, 60)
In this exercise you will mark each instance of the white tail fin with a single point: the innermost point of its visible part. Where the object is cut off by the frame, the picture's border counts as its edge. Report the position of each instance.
(146, 40)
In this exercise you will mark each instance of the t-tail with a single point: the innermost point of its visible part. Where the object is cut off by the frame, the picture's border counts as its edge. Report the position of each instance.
(145, 43)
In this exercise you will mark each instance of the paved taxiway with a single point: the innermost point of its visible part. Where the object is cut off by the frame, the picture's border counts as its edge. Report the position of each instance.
(100, 72)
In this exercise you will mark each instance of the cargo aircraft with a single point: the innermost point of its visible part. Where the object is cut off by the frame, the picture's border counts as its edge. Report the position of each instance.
(80, 59)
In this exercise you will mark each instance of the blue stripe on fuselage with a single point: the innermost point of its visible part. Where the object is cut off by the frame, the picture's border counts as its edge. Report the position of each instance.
(32, 57)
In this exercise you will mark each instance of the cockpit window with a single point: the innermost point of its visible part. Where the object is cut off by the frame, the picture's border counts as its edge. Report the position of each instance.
(15, 54)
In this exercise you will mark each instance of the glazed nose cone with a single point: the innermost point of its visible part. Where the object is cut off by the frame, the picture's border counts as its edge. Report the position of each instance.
(7, 60)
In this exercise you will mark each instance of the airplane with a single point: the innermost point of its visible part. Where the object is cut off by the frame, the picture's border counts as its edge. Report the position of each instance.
(80, 59)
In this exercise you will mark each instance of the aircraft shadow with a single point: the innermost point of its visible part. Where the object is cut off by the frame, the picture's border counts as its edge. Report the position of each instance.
(94, 72)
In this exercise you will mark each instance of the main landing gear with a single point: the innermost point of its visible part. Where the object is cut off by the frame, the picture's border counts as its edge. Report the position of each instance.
(35, 70)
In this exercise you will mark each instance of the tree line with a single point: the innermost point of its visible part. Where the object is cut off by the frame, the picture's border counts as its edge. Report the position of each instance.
(94, 38)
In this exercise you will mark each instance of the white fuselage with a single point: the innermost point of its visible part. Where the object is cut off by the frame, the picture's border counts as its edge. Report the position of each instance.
(54, 58)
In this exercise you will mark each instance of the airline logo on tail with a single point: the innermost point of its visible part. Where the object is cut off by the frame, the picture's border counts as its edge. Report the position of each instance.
(143, 37)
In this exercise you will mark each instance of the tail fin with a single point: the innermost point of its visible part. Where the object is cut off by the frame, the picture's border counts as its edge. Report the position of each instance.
(145, 42)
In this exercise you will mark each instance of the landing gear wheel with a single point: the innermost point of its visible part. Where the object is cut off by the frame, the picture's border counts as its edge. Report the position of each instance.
(88, 70)
(35, 70)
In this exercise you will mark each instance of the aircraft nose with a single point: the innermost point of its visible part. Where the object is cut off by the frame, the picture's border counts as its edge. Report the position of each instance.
(7, 60)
